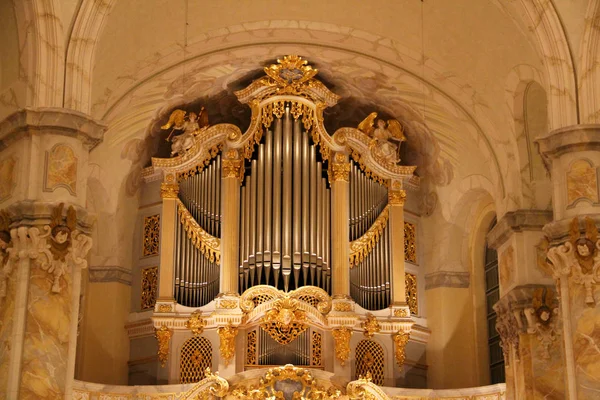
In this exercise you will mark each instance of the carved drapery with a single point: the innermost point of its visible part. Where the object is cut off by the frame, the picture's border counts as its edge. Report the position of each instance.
(227, 336)
(342, 343)
(163, 337)
(400, 340)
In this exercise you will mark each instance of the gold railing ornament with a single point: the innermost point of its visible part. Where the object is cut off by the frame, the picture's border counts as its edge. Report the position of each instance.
(212, 386)
(371, 326)
(208, 245)
(284, 322)
(342, 337)
(163, 336)
(400, 341)
(364, 388)
(362, 247)
(196, 323)
(227, 336)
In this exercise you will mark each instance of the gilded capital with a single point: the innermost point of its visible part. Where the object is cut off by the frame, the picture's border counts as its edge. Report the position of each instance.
(169, 190)
(396, 197)
(339, 171)
(233, 168)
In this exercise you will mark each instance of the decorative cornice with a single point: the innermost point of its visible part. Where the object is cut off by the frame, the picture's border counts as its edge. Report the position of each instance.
(110, 273)
(56, 121)
(568, 139)
(517, 221)
(450, 279)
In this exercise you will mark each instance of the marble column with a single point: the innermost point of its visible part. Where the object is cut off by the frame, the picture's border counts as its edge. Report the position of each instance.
(339, 171)
(43, 159)
(572, 155)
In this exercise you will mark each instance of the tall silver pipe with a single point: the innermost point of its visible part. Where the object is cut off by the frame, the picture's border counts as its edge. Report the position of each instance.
(277, 164)
(305, 200)
(313, 204)
(252, 231)
(319, 212)
(268, 203)
(297, 211)
(259, 211)
(287, 199)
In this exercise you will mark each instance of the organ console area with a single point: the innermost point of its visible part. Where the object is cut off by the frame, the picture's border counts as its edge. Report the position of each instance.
(282, 240)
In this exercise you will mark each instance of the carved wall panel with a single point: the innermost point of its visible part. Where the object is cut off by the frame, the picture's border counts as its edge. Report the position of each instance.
(370, 358)
(151, 235)
(412, 300)
(251, 344)
(61, 169)
(581, 182)
(196, 356)
(149, 287)
(410, 242)
(316, 356)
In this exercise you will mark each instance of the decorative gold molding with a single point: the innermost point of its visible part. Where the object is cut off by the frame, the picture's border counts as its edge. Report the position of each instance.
(400, 341)
(256, 295)
(165, 308)
(339, 171)
(371, 326)
(227, 304)
(410, 242)
(396, 197)
(251, 347)
(284, 321)
(208, 245)
(149, 287)
(342, 337)
(233, 168)
(196, 323)
(227, 336)
(163, 336)
(342, 306)
(410, 281)
(362, 247)
(169, 190)
(151, 245)
(316, 358)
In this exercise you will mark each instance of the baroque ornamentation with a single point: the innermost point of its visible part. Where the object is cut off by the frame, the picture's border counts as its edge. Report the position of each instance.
(578, 258)
(342, 343)
(151, 235)
(386, 138)
(299, 380)
(410, 281)
(196, 323)
(227, 304)
(163, 336)
(542, 319)
(233, 168)
(227, 336)
(196, 357)
(208, 245)
(410, 242)
(371, 326)
(508, 329)
(339, 171)
(169, 190)
(400, 341)
(61, 169)
(284, 321)
(362, 247)
(256, 295)
(370, 360)
(396, 197)
(208, 388)
(190, 123)
(402, 313)
(342, 307)
(251, 347)
(316, 357)
(165, 308)
(149, 287)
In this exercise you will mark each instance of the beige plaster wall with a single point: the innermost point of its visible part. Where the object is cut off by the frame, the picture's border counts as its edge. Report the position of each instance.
(12, 92)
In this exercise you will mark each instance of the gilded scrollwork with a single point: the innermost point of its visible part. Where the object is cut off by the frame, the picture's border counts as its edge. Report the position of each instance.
(342, 337)
(412, 300)
(284, 321)
(227, 336)
(410, 242)
(339, 171)
(260, 294)
(362, 247)
(169, 190)
(400, 340)
(196, 323)
(208, 245)
(151, 244)
(163, 336)
(208, 388)
(149, 287)
(371, 326)
(396, 197)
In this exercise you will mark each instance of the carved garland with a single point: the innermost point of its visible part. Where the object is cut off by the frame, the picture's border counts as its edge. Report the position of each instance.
(208, 245)
(362, 247)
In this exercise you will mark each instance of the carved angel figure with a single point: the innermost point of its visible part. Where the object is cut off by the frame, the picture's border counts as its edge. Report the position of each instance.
(190, 123)
(387, 137)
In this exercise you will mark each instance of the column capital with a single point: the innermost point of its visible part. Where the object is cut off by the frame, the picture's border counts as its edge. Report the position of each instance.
(169, 190)
(232, 164)
(339, 168)
(397, 197)
(517, 221)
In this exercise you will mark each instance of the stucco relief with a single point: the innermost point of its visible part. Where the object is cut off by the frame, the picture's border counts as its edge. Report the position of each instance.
(582, 182)
(507, 267)
(61, 169)
(8, 178)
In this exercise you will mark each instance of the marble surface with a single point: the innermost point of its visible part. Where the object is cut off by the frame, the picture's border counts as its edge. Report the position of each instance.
(7, 309)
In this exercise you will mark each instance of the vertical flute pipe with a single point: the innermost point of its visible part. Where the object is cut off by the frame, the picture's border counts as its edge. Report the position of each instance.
(177, 265)
(305, 200)
(327, 262)
(243, 212)
(287, 200)
(211, 209)
(260, 202)
(186, 281)
(297, 192)
(247, 217)
(268, 187)
(319, 215)
(252, 231)
(219, 196)
(277, 165)
(230, 235)
(313, 205)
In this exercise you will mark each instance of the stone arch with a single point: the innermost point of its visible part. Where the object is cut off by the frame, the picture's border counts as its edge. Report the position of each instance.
(555, 51)
(81, 52)
(589, 70)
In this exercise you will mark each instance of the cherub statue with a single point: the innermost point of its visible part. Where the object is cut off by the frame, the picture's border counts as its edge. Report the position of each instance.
(190, 124)
(385, 135)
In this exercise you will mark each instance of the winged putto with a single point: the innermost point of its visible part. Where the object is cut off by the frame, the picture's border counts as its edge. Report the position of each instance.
(387, 137)
(190, 123)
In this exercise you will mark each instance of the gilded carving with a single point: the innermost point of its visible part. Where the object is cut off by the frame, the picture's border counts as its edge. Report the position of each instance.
(284, 321)
(312, 295)
(165, 308)
(8, 179)
(386, 138)
(151, 235)
(371, 326)
(208, 245)
(339, 171)
(233, 168)
(169, 190)
(190, 123)
(227, 304)
(342, 306)
(196, 358)
(370, 359)
(196, 323)
(396, 197)
(227, 336)
(506, 266)
(149, 287)
(402, 313)
(412, 300)
(410, 242)
(362, 247)
(542, 319)
(251, 348)
(342, 343)
(61, 169)
(400, 341)
(316, 358)
(163, 336)
(582, 182)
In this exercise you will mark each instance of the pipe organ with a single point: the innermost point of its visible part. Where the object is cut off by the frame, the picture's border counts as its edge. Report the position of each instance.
(297, 352)
(370, 274)
(196, 267)
(285, 212)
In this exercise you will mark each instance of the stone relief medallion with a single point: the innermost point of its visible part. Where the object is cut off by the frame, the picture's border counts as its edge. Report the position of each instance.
(507, 267)
(582, 182)
(61, 169)
(8, 179)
